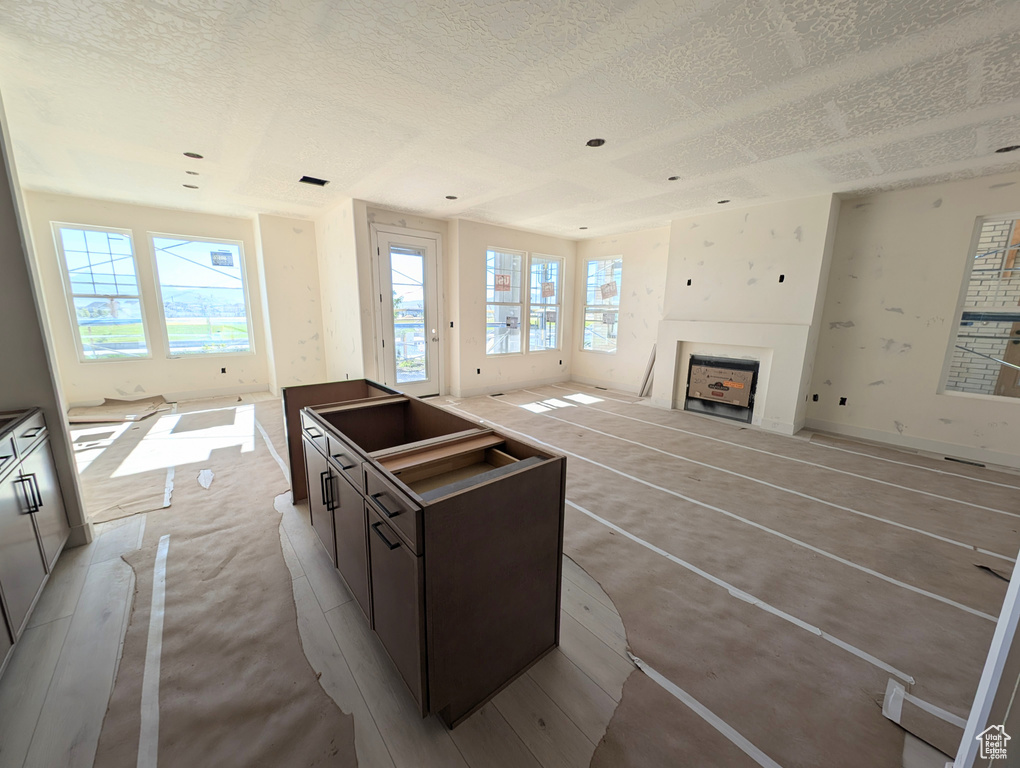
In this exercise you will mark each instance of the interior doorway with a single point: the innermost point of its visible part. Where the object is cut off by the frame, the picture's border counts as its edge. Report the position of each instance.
(410, 353)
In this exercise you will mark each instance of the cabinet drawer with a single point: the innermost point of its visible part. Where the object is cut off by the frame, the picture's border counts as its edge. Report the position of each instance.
(398, 604)
(7, 454)
(395, 507)
(315, 434)
(29, 432)
(346, 460)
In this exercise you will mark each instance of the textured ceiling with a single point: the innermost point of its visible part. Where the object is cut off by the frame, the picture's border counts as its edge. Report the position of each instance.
(403, 102)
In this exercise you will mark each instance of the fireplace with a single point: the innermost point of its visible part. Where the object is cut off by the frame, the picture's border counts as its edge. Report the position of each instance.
(721, 386)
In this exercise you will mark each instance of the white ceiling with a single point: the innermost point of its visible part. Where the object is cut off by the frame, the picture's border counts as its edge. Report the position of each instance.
(402, 102)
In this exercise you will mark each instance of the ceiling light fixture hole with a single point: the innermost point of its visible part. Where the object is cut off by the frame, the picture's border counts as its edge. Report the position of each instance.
(190, 186)
(582, 227)
(596, 142)
(192, 173)
(451, 197)
(193, 155)
(1010, 148)
(673, 178)
(723, 202)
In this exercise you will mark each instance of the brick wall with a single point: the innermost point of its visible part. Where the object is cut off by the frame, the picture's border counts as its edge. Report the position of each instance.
(972, 373)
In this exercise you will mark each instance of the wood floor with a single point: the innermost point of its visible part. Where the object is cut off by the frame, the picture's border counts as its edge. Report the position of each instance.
(54, 694)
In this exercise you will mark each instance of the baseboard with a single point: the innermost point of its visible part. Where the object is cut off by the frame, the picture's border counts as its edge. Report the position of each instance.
(937, 447)
(509, 386)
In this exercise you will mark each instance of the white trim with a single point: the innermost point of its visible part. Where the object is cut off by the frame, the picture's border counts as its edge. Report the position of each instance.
(65, 278)
(250, 325)
(739, 741)
(753, 524)
(1003, 641)
(148, 731)
(439, 358)
(809, 497)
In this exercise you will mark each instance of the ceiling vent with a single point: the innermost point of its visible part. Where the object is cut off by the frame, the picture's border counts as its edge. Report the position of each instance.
(313, 180)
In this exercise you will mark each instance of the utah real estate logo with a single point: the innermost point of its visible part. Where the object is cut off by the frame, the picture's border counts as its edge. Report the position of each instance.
(993, 742)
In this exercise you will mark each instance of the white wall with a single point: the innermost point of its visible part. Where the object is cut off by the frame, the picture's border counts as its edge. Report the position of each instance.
(733, 260)
(90, 382)
(504, 372)
(889, 317)
(29, 377)
(642, 294)
(289, 276)
(340, 298)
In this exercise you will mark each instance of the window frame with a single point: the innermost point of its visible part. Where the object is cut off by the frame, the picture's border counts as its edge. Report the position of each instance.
(558, 306)
(159, 294)
(69, 295)
(521, 302)
(962, 308)
(585, 306)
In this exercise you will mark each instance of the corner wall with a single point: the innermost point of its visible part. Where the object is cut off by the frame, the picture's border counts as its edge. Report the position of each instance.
(642, 296)
(289, 276)
(889, 318)
(88, 382)
(29, 376)
(339, 293)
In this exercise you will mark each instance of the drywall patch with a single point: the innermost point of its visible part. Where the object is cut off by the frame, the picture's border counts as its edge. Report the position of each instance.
(752, 281)
(1004, 184)
(843, 324)
(878, 383)
(900, 426)
(946, 421)
(799, 234)
(898, 310)
(709, 243)
(937, 203)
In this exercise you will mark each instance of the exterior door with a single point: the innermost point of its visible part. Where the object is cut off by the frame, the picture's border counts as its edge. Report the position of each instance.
(410, 351)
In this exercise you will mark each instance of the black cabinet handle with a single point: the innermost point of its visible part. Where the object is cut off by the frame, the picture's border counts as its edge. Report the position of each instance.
(378, 531)
(314, 432)
(322, 488)
(37, 492)
(385, 510)
(343, 458)
(25, 482)
(33, 432)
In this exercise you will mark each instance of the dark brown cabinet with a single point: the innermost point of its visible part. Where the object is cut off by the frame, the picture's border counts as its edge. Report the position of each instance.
(33, 524)
(448, 534)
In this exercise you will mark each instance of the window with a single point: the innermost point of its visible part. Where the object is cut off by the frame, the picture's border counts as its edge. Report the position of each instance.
(201, 285)
(503, 302)
(985, 358)
(601, 304)
(544, 303)
(102, 289)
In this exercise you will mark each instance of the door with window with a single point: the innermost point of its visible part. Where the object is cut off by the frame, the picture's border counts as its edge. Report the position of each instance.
(411, 349)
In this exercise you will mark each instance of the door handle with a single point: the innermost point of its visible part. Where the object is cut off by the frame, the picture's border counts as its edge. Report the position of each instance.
(378, 532)
(385, 510)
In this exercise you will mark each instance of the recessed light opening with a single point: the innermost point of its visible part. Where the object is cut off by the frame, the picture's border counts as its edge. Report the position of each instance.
(192, 173)
(314, 181)
(451, 197)
(673, 178)
(1010, 148)
(596, 142)
(190, 186)
(723, 202)
(193, 155)
(582, 227)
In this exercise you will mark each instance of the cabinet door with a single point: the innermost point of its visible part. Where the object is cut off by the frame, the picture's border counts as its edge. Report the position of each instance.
(6, 641)
(51, 519)
(321, 490)
(397, 598)
(351, 542)
(21, 564)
